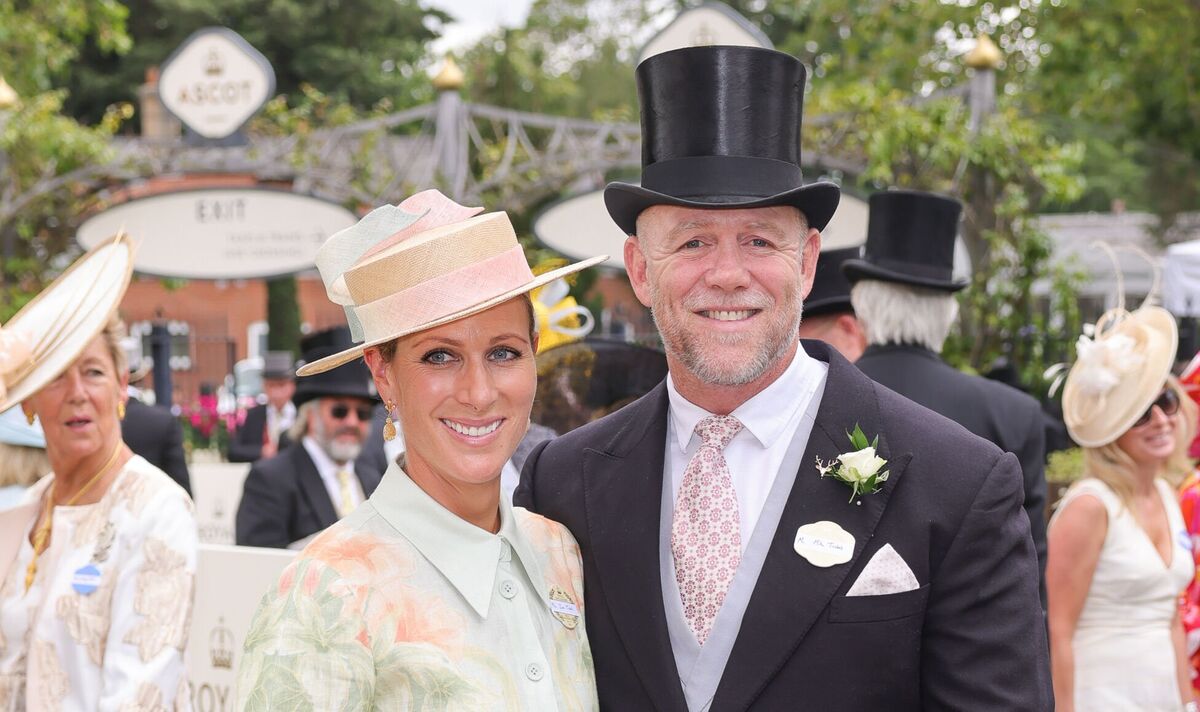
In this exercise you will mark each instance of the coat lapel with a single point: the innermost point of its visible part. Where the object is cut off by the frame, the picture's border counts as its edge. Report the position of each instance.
(623, 495)
(312, 488)
(791, 593)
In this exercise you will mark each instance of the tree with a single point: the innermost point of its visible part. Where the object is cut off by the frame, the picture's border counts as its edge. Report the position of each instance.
(43, 153)
(358, 51)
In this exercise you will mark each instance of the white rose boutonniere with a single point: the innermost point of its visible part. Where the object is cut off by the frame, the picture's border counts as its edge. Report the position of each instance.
(860, 468)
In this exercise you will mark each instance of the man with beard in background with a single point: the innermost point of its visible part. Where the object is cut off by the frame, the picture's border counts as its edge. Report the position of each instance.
(314, 481)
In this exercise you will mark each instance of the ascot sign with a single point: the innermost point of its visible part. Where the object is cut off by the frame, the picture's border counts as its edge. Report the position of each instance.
(215, 81)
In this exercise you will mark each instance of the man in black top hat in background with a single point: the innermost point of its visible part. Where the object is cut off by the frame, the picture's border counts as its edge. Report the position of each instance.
(828, 314)
(724, 571)
(259, 434)
(903, 292)
(314, 481)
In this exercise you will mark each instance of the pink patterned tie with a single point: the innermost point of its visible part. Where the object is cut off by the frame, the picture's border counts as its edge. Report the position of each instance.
(706, 540)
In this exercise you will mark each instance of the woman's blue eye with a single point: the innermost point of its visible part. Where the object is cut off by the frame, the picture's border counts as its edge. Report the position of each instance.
(692, 244)
(437, 357)
(505, 353)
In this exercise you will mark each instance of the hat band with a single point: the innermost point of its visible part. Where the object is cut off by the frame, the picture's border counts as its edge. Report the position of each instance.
(704, 176)
(412, 309)
(914, 269)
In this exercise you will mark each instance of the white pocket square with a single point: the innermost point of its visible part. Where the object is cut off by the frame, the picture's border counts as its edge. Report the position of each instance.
(885, 573)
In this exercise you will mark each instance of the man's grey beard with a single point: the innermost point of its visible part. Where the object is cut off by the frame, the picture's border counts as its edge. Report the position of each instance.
(339, 451)
(686, 347)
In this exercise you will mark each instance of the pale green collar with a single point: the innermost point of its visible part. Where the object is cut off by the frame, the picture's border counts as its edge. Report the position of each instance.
(465, 554)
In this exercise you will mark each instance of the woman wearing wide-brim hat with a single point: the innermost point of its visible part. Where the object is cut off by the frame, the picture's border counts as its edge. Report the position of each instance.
(1119, 555)
(435, 593)
(97, 566)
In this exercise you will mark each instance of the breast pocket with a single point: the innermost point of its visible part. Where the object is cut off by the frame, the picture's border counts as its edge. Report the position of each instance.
(865, 609)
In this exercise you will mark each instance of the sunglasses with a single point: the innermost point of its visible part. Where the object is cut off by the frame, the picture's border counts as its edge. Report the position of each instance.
(340, 411)
(1167, 402)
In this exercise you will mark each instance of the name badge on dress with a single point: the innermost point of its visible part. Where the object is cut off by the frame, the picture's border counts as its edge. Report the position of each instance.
(563, 607)
(86, 580)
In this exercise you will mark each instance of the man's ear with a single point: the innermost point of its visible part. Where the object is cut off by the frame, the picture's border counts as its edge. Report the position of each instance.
(635, 267)
(808, 261)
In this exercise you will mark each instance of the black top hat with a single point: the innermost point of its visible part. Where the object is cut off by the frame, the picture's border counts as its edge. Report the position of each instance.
(831, 290)
(910, 240)
(278, 364)
(351, 379)
(721, 129)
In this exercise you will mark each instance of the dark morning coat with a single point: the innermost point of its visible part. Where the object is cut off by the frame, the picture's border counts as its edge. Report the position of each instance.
(156, 435)
(285, 500)
(970, 638)
(247, 441)
(1000, 413)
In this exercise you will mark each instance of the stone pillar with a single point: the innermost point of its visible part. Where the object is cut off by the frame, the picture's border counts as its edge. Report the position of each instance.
(157, 122)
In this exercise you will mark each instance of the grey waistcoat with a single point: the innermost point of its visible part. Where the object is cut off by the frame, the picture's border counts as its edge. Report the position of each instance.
(700, 667)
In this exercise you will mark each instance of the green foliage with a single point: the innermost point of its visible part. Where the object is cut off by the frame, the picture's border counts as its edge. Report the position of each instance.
(1065, 466)
(41, 39)
(358, 51)
(283, 315)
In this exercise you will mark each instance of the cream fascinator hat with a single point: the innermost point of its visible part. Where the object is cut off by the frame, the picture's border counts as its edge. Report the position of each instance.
(426, 262)
(50, 332)
(1120, 366)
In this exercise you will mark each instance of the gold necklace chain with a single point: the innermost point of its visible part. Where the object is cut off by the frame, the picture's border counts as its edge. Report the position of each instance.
(41, 537)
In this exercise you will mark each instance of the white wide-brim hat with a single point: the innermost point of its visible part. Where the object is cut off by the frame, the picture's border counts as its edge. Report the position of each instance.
(440, 266)
(49, 333)
(1118, 373)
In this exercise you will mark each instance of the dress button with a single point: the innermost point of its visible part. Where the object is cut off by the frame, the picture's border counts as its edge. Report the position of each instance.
(508, 589)
(533, 671)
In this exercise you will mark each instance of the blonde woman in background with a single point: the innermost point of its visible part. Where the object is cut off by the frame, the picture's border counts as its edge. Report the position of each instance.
(1119, 555)
(22, 456)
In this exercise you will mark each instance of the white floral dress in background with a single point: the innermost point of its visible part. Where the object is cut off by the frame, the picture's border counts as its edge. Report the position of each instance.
(114, 639)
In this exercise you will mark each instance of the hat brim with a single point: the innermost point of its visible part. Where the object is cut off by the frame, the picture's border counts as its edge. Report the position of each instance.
(626, 201)
(65, 316)
(336, 390)
(330, 362)
(857, 269)
(829, 305)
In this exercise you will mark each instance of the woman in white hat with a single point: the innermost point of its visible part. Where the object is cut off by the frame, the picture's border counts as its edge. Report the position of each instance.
(97, 566)
(1119, 555)
(436, 593)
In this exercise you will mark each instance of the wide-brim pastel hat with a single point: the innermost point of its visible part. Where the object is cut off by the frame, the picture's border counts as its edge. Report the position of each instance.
(52, 330)
(1118, 373)
(424, 263)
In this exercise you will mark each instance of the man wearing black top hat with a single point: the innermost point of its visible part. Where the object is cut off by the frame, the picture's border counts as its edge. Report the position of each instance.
(729, 564)
(258, 436)
(828, 314)
(904, 295)
(315, 480)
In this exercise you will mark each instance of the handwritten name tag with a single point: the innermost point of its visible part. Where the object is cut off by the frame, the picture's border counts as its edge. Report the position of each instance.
(563, 607)
(824, 544)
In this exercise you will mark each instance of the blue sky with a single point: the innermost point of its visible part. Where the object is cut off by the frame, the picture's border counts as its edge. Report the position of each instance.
(475, 18)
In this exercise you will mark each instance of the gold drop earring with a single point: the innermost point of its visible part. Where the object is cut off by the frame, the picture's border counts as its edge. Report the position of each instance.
(389, 425)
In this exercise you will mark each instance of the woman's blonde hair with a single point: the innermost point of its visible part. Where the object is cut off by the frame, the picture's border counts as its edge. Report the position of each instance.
(21, 465)
(114, 339)
(1112, 466)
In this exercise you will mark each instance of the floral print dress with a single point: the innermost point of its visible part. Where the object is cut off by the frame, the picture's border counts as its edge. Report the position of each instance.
(404, 606)
(105, 623)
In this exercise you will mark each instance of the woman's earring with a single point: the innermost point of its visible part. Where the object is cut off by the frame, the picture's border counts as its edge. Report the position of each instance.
(29, 416)
(121, 410)
(389, 426)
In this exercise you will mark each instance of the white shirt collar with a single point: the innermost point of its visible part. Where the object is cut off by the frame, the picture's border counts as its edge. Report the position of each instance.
(465, 554)
(765, 415)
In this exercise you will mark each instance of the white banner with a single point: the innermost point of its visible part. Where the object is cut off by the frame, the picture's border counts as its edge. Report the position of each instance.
(216, 492)
(227, 233)
(230, 582)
